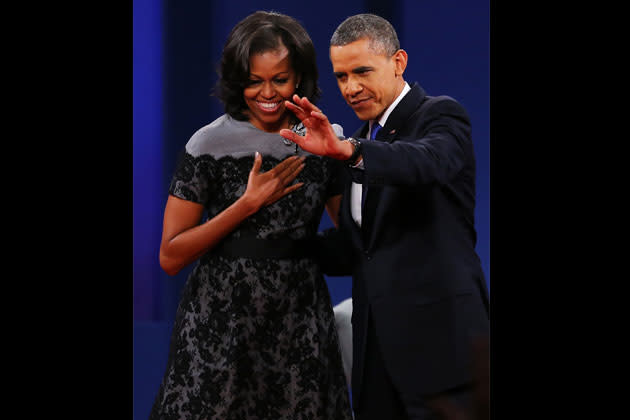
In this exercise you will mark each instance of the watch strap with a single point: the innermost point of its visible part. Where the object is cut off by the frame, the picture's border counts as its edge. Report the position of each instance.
(352, 160)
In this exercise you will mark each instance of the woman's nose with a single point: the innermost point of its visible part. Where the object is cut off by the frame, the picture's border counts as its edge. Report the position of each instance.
(268, 91)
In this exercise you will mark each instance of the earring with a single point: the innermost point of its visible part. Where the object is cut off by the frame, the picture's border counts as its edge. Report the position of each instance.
(296, 85)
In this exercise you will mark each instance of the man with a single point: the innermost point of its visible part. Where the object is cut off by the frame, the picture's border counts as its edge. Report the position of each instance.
(419, 295)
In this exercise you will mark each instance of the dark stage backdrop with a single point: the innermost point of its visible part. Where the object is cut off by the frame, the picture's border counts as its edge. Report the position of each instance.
(176, 48)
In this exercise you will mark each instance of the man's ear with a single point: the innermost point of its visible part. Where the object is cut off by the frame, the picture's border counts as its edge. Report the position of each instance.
(400, 62)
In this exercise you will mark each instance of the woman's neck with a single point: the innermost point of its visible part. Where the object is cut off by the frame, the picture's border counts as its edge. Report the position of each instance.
(284, 122)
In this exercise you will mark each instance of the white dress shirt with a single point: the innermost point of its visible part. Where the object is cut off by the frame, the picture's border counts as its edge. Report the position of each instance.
(357, 189)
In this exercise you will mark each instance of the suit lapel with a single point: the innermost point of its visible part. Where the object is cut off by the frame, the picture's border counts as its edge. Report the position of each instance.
(399, 116)
(362, 131)
(375, 200)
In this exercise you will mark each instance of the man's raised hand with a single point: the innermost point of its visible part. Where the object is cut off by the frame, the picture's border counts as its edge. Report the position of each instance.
(320, 138)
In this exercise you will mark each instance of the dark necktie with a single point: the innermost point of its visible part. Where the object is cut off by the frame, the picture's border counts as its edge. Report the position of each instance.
(375, 127)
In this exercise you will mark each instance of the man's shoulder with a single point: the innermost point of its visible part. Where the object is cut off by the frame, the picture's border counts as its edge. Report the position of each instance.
(417, 99)
(441, 100)
(442, 104)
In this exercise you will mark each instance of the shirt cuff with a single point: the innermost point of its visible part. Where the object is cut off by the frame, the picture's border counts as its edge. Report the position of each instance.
(359, 164)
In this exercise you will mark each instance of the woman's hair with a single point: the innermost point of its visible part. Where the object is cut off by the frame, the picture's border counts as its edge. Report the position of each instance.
(258, 33)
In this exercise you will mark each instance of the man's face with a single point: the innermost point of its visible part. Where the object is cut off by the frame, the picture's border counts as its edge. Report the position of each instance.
(369, 81)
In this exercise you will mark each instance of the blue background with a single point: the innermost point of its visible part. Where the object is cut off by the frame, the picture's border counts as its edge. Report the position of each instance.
(176, 48)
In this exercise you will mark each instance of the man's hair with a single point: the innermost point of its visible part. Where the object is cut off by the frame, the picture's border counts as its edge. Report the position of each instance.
(258, 33)
(380, 32)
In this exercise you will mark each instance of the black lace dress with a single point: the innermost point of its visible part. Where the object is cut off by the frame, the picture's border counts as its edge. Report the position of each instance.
(253, 338)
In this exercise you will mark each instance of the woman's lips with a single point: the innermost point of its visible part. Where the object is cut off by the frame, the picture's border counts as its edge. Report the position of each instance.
(269, 107)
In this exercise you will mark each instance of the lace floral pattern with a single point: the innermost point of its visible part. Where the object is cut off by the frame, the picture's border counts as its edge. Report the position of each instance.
(296, 215)
(254, 339)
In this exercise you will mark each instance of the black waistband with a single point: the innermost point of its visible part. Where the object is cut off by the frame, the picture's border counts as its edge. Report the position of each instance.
(264, 248)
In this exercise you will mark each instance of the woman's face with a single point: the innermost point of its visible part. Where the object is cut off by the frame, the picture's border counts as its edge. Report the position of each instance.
(271, 82)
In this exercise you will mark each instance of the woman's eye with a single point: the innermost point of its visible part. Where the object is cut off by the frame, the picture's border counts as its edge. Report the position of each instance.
(281, 80)
(253, 82)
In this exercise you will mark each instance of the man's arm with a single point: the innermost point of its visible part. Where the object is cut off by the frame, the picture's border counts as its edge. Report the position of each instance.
(437, 156)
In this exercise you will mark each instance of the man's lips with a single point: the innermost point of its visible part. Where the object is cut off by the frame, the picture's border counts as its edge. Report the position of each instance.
(359, 102)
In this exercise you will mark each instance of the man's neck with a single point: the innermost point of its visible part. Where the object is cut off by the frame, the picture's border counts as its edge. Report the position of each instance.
(402, 90)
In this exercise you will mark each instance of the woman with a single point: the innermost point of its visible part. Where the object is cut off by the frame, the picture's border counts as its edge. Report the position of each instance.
(254, 335)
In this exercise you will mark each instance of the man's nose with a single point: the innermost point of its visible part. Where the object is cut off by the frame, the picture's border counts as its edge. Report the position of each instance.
(353, 88)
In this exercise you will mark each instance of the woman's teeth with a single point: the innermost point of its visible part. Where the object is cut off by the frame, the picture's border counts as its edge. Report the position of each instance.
(268, 106)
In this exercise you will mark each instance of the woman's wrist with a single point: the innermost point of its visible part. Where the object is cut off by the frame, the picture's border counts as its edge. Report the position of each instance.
(247, 205)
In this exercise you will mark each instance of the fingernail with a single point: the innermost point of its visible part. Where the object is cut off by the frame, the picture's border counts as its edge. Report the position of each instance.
(256, 154)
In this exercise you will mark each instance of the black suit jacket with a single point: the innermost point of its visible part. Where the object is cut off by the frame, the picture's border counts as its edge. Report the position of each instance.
(413, 261)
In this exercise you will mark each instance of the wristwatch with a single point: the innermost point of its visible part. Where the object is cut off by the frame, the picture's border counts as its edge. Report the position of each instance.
(351, 161)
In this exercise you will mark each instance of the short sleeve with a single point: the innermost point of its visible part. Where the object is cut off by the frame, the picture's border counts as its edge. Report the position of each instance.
(192, 178)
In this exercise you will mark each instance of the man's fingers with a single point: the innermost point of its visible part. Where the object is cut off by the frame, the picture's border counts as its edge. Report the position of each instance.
(298, 111)
(306, 104)
(319, 115)
(290, 135)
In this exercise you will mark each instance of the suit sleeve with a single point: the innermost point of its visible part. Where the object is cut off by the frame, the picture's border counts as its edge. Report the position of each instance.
(442, 148)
